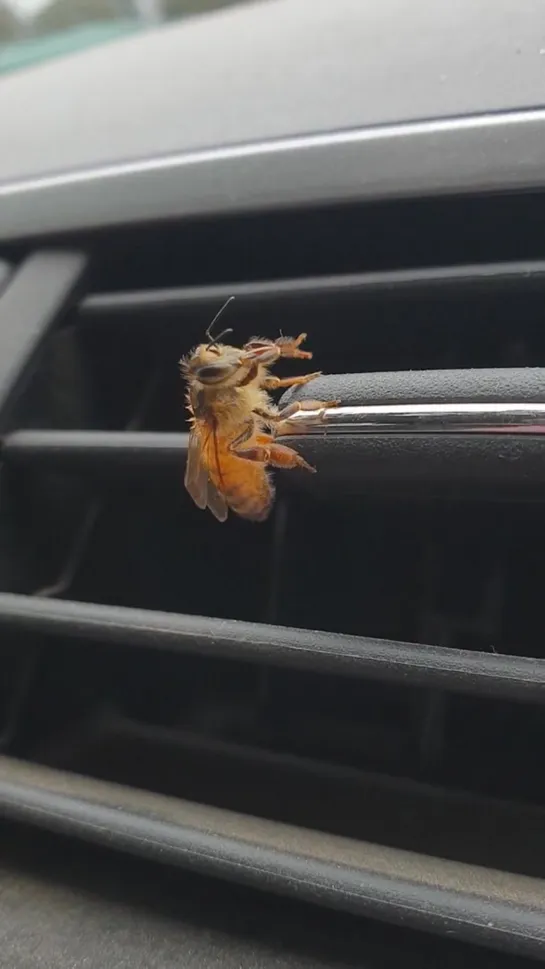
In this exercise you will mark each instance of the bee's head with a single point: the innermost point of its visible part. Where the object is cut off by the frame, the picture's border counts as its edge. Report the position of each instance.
(213, 363)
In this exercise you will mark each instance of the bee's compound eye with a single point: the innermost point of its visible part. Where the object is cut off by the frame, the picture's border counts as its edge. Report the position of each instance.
(209, 373)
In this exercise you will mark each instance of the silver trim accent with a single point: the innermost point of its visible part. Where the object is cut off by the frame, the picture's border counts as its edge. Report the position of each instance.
(474, 153)
(238, 152)
(462, 418)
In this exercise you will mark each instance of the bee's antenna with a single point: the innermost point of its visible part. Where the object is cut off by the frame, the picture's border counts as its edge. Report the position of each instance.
(211, 339)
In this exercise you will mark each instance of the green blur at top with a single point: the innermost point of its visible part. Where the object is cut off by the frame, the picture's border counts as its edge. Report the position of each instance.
(61, 27)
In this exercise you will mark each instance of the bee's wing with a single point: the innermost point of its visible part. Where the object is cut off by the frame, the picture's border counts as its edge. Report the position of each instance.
(200, 487)
(196, 475)
(216, 502)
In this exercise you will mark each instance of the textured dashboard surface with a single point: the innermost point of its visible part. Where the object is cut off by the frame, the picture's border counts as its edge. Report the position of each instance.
(475, 385)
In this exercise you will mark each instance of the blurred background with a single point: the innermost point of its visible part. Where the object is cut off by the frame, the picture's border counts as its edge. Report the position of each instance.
(35, 30)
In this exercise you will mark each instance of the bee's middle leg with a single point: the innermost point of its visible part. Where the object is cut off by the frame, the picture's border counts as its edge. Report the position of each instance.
(244, 436)
(277, 417)
(275, 383)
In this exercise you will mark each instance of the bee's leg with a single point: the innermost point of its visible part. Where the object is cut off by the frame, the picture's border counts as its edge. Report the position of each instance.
(266, 451)
(267, 352)
(277, 417)
(244, 436)
(259, 353)
(289, 347)
(321, 406)
(275, 383)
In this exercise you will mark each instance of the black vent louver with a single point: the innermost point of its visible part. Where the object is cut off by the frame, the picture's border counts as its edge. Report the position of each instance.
(390, 764)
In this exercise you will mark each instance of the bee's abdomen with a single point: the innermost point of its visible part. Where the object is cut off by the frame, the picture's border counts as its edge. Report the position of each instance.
(252, 507)
(246, 486)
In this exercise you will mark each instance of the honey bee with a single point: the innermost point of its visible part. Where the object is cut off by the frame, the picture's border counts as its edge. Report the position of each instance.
(233, 422)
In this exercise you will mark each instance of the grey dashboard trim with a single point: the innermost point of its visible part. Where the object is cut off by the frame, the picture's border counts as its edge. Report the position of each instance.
(5, 272)
(482, 153)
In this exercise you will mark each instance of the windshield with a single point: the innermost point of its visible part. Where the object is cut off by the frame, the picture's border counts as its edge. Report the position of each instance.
(36, 30)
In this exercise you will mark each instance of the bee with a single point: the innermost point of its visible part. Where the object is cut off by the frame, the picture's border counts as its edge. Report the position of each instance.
(233, 422)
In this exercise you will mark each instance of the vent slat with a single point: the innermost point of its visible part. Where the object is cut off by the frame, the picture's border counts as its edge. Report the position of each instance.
(31, 304)
(490, 908)
(102, 451)
(5, 272)
(522, 678)
(256, 294)
(411, 464)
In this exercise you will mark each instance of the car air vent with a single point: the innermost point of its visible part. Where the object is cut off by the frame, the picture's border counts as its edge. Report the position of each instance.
(343, 704)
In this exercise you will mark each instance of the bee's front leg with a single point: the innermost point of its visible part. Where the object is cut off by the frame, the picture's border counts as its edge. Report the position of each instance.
(289, 347)
(268, 352)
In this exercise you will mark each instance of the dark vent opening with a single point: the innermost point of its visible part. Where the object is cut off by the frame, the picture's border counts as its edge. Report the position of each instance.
(117, 362)
(450, 768)
(404, 233)
(426, 772)
(340, 239)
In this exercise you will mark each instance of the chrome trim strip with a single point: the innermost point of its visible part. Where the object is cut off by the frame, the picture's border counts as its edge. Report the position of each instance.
(461, 418)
